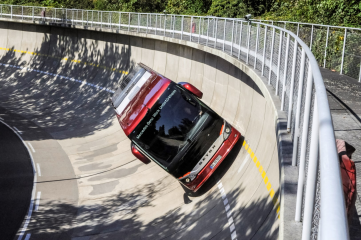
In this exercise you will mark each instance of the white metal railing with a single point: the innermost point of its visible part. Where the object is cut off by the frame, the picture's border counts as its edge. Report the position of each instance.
(335, 47)
(283, 59)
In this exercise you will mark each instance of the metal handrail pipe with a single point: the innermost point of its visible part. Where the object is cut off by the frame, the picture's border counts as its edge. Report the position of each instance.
(310, 24)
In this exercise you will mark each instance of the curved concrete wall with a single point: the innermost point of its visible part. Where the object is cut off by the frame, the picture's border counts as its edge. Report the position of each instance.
(91, 185)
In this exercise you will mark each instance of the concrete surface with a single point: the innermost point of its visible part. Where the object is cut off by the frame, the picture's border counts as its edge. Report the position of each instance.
(91, 185)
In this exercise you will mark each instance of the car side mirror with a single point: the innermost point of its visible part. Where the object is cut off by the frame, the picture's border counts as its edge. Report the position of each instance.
(195, 91)
(138, 154)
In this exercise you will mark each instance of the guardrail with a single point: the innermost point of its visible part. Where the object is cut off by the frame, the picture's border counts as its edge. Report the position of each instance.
(336, 48)
(276, 54)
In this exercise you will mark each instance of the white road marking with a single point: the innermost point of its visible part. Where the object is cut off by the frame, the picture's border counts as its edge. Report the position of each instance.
(234, 235)
(231, 225)
(20, 132)
(39, 172)
(71, 79)
(1, 118)
(244, 163)
(37, 202)
(27, 236)
(227, 207)
(31, 146)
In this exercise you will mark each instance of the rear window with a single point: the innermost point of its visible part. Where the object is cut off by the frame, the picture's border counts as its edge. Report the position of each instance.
(165, 129)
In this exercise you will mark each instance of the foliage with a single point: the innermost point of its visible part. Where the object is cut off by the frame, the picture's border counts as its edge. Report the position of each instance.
(330, 12)
(197, 7)
(239, 8)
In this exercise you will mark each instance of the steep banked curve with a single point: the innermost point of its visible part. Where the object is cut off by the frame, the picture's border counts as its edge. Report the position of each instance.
(91, 185)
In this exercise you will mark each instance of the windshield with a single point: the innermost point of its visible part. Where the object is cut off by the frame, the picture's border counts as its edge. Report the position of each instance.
(169, 125)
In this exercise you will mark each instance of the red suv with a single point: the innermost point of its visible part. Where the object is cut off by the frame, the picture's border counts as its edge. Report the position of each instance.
(169, 124)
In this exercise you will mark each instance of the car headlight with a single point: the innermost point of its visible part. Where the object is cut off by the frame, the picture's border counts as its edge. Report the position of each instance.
(227, 130)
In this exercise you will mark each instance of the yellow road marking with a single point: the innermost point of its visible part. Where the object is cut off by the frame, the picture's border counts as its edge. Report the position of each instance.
(264, 176)
(266, 180)
(271, 193)
(67, 59)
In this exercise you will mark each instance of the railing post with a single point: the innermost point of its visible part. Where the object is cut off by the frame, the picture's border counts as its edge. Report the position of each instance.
(271, 58)
(182, 28)
(92, 19)
(2, 12)
(256, 48)
(32, 12)
(199, 27)
(249, 39)
(110, 20)
(285, 73)
(240, 40)
(128, 22)
(235, 34)
(147, 23)
(224, 33)
(207, 32)
(306, 120)
(279, 62)
(120, 20)
(213, 27)
(298, 28)
(191, 29)
(232, 39)
(156, 23)
(324, 59)
(101, 19)
(72, 17)
(138, 22)
(311, 37)
(11, 12)
(359, 76)
(264, 50)
(82, 17)
(202, 26)
(343, 51)
(22, 12)
(290, 103)
(165, 20)
(215, 40)
(98, 17)
(173, 24)
(298, 109)
(311, 181)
